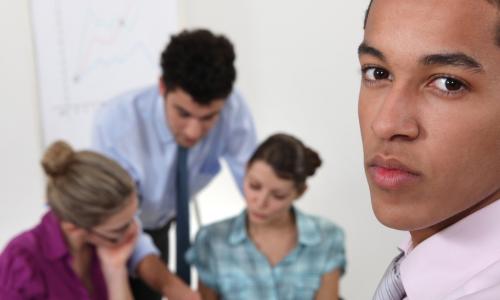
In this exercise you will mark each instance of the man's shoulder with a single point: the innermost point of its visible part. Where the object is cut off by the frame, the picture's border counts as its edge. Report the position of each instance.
(483, 285)
(129, 102)
(123, 114)
(235, 115)
(235, 108)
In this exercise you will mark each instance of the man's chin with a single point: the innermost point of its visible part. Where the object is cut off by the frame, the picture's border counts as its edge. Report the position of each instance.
(408, 221)
(186, 143)
(391, 218)
(396, 224)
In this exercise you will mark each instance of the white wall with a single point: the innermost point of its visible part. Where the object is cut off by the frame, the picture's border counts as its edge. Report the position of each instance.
(21, 201)
(298, 69)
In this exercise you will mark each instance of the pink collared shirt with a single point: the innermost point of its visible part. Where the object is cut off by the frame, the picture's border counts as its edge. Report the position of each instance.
(459, 262)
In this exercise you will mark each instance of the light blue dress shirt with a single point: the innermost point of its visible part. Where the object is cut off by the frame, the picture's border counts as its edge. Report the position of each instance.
(228, 261)
(132, 129)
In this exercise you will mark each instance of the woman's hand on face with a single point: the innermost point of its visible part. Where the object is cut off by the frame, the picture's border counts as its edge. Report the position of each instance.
(116, 256)
(113, 260)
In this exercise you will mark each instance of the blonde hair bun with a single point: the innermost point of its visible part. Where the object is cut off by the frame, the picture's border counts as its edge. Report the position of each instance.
(57, 158)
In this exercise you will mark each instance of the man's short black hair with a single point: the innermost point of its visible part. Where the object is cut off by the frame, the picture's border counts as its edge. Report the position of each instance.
(366, 14)
(493, 2)
(200, 63)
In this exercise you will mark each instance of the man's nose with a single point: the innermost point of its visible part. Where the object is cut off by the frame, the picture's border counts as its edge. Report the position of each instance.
(193, 129)
(396, 116)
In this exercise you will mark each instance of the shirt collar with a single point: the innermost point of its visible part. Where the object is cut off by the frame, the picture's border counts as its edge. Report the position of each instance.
(452, 255)
(160, 120)
(238, 231)
(309, 232)
(53, 245)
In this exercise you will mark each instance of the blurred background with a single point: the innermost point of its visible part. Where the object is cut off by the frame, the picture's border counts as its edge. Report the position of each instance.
(297, 67)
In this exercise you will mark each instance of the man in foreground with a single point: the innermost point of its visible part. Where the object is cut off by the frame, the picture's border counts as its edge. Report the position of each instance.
(429, 110)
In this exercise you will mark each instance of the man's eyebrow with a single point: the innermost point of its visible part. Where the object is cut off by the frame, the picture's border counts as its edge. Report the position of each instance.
(187, 113)
(453, 59)
(364, 48)
(182, 110)
(210, 115)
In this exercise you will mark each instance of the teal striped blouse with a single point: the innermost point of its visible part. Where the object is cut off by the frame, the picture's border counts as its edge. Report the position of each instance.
(228, 261)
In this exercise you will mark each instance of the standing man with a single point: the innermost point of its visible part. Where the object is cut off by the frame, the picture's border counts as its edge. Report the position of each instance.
(429, 111)
(170, 138)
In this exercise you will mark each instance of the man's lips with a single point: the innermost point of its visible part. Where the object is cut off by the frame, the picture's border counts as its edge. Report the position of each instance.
(390, 173)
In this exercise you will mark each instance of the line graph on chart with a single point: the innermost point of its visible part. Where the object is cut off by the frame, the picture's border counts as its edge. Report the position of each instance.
(90, 51)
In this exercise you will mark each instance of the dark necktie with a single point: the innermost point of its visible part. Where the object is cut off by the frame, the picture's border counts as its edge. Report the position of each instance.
(391, 286)
(182, 219)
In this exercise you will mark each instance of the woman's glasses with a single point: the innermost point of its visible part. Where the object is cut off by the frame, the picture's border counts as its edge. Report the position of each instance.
(114, 236)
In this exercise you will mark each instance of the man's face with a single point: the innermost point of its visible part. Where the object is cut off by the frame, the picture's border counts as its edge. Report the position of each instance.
(429, 110)
(189, 121)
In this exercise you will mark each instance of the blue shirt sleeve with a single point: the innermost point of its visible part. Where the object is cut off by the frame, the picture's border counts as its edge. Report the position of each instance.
(201, 256)
(335, 257)
(241, 137)
(144, 247)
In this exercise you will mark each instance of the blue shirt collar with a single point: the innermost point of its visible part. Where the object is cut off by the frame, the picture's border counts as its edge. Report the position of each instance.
(238, 231)
(309, 232)
(160, 120)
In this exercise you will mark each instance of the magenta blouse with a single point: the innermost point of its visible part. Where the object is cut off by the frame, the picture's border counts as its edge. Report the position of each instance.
(36, 265)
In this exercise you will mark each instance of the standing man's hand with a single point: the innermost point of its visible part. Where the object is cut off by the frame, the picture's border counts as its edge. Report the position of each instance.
(190, 295)
(153, 271)
(195, 296)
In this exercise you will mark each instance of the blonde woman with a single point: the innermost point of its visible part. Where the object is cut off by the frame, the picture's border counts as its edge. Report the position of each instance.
(79, 249)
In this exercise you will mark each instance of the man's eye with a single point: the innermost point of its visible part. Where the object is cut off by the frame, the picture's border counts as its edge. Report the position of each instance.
(254, 186)
(183, 114)
(448, 84)
(373, 73)
(208, 119)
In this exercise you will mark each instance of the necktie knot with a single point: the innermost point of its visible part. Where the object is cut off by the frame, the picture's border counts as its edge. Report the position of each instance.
(390, 286)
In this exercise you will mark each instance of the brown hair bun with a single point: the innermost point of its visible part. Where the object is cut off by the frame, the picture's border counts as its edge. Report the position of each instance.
(311, 161)
(289, 158)
(57, 158)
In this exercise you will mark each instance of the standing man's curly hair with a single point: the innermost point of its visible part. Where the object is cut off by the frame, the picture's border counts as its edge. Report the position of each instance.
(200, 63)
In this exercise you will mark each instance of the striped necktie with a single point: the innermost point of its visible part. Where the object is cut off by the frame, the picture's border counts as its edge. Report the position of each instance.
(391, 286)
(182, 219)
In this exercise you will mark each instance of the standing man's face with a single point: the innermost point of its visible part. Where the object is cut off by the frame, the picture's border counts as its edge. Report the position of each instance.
(429, 111)
(188, 120)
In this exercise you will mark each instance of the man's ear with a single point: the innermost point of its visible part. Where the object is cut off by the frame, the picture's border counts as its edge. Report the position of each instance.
(161, 86)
